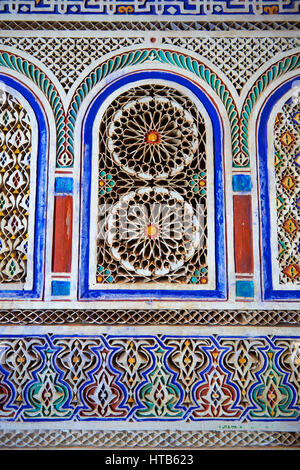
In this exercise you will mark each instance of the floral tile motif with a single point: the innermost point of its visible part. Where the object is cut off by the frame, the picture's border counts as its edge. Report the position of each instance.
(149, 7)
(162, 378)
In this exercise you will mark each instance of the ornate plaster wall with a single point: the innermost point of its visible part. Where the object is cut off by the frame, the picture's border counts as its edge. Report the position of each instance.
(149, 223)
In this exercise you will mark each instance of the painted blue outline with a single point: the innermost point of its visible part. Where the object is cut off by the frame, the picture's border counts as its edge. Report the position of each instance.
(109, 294)
(40, 198)
(269, 293)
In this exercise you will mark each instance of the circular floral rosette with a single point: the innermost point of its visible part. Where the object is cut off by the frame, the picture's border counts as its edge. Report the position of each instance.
(152, 137)
(153, 231)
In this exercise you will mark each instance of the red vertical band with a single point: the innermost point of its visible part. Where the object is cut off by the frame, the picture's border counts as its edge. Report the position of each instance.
(243, 242)
(62, 237)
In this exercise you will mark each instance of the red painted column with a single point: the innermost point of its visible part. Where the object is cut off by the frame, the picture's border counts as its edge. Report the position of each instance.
(62, 236)
(243, 240)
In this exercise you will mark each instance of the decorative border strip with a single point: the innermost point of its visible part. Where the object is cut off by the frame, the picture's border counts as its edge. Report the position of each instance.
(150, 25)
(139, 378)
(148, 439)
(149, 317)
(238, 122)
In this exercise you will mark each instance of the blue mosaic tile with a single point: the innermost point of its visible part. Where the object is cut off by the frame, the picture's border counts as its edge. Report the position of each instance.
(241, 183)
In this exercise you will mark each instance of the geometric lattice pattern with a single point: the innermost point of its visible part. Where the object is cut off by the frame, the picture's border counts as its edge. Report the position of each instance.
(123, 316)
(152, 189)
(161, 378)
(150, 7)
(68, 57)
(287, 175)
(238, 58)
(15, 153)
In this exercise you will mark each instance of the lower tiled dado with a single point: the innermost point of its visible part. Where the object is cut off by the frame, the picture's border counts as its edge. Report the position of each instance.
(109, 383)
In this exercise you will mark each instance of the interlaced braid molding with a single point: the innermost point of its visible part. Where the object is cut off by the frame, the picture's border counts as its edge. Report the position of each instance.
(149, 317)
(150, 439)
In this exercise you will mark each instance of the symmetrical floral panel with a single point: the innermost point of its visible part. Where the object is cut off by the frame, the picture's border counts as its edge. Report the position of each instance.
(149, 224)
(138, 378)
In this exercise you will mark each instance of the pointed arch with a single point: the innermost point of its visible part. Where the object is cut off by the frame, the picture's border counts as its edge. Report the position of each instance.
(279, 181)
(24, 150)
(87, 288)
